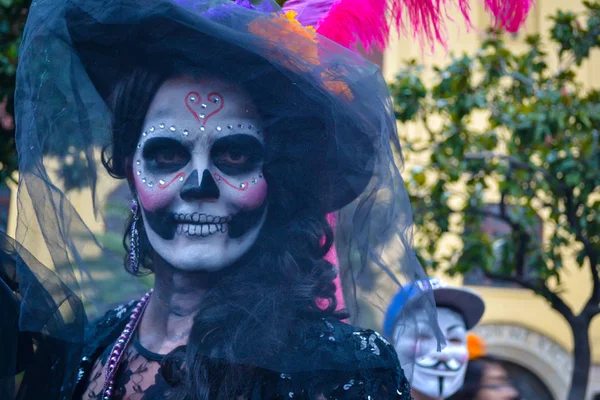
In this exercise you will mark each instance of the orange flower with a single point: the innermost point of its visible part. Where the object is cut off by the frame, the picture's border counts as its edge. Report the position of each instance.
(284, 30)
(476, 346)
(335, 85)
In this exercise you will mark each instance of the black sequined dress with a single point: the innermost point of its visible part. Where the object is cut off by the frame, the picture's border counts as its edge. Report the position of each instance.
(347, 363)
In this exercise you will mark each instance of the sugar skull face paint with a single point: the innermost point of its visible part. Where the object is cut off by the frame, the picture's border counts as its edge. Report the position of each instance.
(441, 374)
(198, 174)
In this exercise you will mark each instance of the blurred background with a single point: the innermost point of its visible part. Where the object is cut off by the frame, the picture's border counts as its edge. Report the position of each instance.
(500, 136)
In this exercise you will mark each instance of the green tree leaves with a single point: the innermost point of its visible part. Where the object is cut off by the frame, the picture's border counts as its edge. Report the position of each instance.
(536, 155)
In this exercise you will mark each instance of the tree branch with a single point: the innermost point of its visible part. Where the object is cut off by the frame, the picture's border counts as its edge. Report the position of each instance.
(523, 237)
(590, 252)
(516, 163)
(478, 211)
(540, 288)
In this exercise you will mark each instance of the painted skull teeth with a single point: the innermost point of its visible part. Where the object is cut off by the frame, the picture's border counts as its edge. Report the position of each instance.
(200, 218)
(202, 230)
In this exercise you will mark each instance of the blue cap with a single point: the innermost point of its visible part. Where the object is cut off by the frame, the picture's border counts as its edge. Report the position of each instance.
(465, 301)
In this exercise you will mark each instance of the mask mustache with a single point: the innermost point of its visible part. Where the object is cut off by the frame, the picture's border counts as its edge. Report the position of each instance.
(450, 365)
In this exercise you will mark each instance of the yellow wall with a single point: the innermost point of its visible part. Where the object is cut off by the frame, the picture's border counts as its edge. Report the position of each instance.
(514, 306)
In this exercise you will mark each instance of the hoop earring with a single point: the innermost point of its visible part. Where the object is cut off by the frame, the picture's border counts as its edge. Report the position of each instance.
(134, 239)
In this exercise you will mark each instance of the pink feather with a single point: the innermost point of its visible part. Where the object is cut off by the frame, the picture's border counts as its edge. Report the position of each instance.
(352, 21)
(509, 15)
(348, 22)
(426, 17)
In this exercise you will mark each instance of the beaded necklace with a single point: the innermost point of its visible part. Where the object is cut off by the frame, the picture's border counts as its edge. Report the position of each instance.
(116, 355)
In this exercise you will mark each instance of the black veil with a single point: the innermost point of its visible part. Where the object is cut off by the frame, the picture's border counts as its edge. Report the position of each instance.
(65, 267)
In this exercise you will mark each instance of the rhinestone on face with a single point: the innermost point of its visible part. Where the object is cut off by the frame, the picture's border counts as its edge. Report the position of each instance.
(138, 162)
(250, 126)
(139, 172)
(161, 182)
(181, 179)
(150, 184)
(172, 128)
(152, 129)
(254, 180)
(218, 178)
(143, 180)
(193, 98)
(215, 100)
(230, 126)
(139, 146)
(218, 129)
(202, 128)
(242, 186)
(202, 115)
(144, 134)
(161, 126)
(203, 105)
(240, 126)
(186, 132)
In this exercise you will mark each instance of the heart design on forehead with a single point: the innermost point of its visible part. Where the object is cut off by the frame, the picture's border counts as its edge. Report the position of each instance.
(203, 111)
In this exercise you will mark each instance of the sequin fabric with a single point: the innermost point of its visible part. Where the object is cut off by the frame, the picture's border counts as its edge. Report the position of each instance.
(337, 361)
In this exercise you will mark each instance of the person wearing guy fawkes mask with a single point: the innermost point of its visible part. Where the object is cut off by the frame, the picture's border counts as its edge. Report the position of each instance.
(436, 375)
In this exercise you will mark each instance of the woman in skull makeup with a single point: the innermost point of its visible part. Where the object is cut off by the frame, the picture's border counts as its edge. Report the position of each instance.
(217, 236)
(237, 131)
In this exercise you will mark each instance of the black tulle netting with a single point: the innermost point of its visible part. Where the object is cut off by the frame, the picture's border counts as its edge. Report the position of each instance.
(331, 142)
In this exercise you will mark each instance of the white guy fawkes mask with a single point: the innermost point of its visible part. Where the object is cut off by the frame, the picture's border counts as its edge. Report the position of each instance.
(198, 174)
(441, 374)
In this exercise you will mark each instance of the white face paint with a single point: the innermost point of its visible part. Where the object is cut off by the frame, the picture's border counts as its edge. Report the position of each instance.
(198, 174)
(441, 374)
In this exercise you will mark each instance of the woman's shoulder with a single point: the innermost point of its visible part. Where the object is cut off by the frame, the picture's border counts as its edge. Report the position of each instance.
(102, 331)
(365, 348)
(350, 362)
(113, 317)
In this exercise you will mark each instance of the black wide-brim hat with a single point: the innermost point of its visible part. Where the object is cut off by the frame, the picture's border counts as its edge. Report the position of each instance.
(313, 82)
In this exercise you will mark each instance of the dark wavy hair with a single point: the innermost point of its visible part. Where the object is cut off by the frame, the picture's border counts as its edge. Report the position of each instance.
(246, 319)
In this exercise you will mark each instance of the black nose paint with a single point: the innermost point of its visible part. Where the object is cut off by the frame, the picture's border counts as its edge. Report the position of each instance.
(207, 189)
